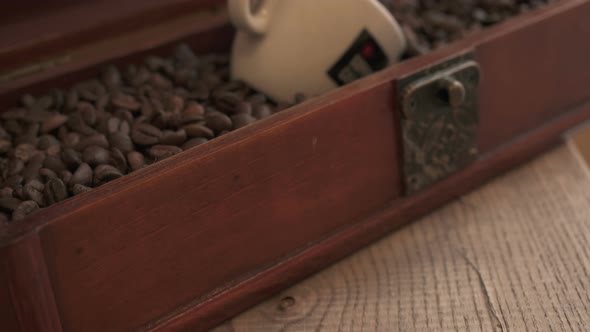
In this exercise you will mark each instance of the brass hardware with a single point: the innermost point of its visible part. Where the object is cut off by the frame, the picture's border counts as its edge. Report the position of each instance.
(453, 91)
(439, 121)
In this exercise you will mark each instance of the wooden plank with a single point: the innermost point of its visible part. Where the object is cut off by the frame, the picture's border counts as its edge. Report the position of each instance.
(31, 31)
(511, 256)
(159, 241)
(533, 72)
(26, 297)
(203, 32)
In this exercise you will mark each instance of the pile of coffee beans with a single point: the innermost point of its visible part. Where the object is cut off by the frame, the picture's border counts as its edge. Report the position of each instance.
(429, 24)
(66, 142)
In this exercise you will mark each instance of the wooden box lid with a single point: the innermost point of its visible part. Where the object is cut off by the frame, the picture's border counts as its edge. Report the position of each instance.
(36, 31)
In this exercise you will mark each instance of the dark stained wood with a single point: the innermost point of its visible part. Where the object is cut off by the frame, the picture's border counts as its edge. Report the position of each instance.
(32, 30)
(210, 33)
(26, 295)
(220, 212)
(194, 239)
(533, 73)
(207, 314)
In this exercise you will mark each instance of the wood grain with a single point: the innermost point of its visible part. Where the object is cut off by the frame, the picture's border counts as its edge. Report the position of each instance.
(191, 240)
(32, 31)
(513, 255)
(26, 296)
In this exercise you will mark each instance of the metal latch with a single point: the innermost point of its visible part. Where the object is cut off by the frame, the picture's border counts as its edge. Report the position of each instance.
(439, 120)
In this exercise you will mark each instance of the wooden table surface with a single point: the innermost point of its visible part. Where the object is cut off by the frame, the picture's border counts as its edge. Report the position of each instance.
(511, 256)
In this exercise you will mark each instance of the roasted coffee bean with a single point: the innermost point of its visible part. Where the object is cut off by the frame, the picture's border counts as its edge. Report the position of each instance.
(126, 102)
(159, 81)
(53, 150)
(111, 77)
(95, 155)
(262, 111)
(14, 114)
(193, 112)
(33, 190)
(71, 158)
(97, 140)
(198, 130)
(77, 124)
(66, 176)
(5, 146)
(43, 102)
(165, 120)
(55, 191)
(87, 112)
(147, 110)
(71, 99)
(118, 160)
(15, 166)
(106, 173)
(78, 189)
(28, 100)
(9, 203)
(124, 115)
(227, 101)
(200, 90)
(6, 192)
(13, 127)
(83, 175)
(4, 134)
(4, 219)
(46, 173)
(53, 122)
(185, 55)
(243, 107)
(47, 141)
(114, 125)
(102, 103)
(34, 164)
(24, 209)
(242, 120)
(29, 135)
(14, 181)
(211, 80)
(71, 140)
(194, 142)
(175, 104)
(136, 160)
(121, 141)
(170, 137)
(415, 45)
(140, 77)
(91, 90)
(54, 163)
(145, 134)
(257, 99)
(159, 152)
(36, 115)
(24, 152)
(218, 121)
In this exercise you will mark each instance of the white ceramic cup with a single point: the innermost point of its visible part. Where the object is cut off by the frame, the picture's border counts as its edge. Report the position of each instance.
(284, 47)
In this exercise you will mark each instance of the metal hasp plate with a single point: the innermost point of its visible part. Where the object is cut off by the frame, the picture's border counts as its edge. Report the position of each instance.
(439, 121)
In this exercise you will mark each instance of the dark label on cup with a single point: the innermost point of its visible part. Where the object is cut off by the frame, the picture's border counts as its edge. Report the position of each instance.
(362, 58)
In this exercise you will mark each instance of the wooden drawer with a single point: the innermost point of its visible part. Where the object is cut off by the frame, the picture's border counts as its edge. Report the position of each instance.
(198, 237)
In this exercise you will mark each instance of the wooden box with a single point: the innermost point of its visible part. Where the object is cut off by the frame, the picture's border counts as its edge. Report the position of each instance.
(192, 240)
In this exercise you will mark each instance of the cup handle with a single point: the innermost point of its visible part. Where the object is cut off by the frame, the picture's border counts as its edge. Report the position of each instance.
(241, 15)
